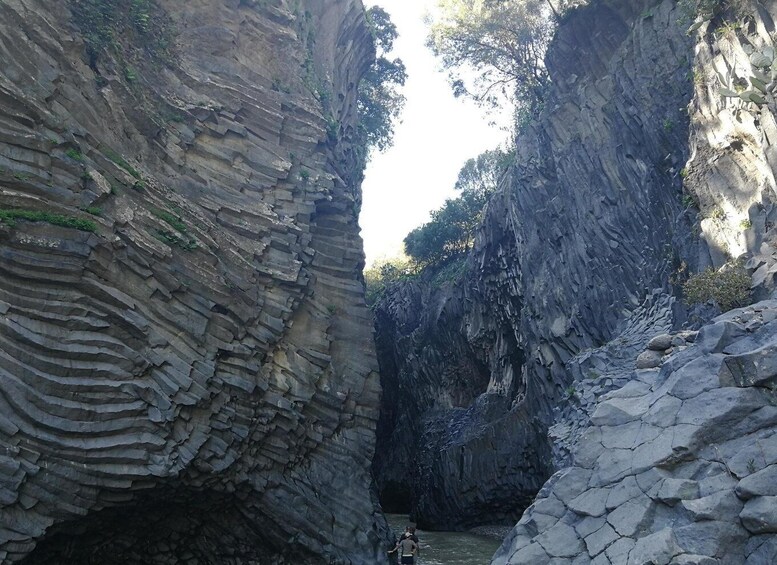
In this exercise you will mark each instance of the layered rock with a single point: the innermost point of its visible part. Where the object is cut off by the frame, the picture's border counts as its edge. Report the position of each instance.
(588, 220)
(663, 459)
(189, 377)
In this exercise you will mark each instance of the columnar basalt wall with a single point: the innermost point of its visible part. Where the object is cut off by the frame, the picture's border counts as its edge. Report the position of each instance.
(672, 461)
(186, 368)
(588, 221)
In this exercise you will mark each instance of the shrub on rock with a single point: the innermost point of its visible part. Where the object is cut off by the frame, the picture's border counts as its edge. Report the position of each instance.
(729, 287)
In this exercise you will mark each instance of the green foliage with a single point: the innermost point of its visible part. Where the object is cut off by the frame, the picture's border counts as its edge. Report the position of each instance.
(729, 287)
(93, 210)
(121, 162)
(745, 224)
(481, 175)
(121, 26)
(176, 222)
(451, 229)
(179, 238)
(450, 272)
(382, 275)
(130, 74)
(332, 128)
(171, 238)
(449, 233)
(75, 154)
(501, 44)
(9, 217)
(698, 10)
(380, 101)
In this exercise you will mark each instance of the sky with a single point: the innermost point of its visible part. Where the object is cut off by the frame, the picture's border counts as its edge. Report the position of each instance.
(437, 135)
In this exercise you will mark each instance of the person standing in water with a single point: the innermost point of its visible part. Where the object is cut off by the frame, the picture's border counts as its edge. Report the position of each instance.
(407, 546)
(408, 549)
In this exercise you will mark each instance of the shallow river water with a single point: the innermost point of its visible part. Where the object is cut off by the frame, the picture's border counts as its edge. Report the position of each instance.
(450, 548)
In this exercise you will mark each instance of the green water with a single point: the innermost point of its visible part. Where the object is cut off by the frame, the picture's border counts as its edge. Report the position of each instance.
(451, 548)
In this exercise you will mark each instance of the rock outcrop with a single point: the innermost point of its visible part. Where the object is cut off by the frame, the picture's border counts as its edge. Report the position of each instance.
(451, 455)
(670, 440)
(589, 220)
(186, 368)
(677, 465)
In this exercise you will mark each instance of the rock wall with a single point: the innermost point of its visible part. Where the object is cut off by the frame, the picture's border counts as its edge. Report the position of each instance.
(186, 369)
(444, 453)
(671, 464)
(588, 221)
(677, 465)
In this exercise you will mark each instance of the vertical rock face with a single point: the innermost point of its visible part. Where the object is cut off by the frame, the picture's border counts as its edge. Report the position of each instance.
(186, 366)
(672, 461)
(589, 218)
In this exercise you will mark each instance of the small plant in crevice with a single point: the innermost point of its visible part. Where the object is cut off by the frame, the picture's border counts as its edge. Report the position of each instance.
(121, 162)
(187, 244)
(10, 216)
(22, 176)
(180, 237)
(332, 128)
(130, 74)
(75, 155)
(745, 224)
(176, 222)
(94, 210)
(751, 465)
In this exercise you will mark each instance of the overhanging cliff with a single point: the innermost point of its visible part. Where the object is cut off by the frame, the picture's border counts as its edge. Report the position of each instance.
(186, 366)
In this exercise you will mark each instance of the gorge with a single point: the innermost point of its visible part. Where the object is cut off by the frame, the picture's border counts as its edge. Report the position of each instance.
(188, 373)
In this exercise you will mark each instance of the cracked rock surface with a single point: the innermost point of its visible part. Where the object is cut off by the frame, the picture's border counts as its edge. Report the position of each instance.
(192, 379)
(676, 466)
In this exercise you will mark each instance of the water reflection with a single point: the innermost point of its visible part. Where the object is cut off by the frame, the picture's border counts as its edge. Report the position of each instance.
(449, 548)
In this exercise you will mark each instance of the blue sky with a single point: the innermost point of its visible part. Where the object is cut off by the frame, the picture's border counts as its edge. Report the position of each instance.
(437, 135)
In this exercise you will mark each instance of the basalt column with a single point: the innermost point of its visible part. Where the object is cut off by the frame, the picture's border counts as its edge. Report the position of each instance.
(186, 367)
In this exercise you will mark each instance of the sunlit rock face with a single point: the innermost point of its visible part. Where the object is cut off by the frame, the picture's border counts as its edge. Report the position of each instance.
(191, 377)
(588, 221)
(670, 441)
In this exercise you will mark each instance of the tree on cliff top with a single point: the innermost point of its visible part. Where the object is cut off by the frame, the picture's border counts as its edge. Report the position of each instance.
(494, 49)
(380, 101)
(451, 230)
